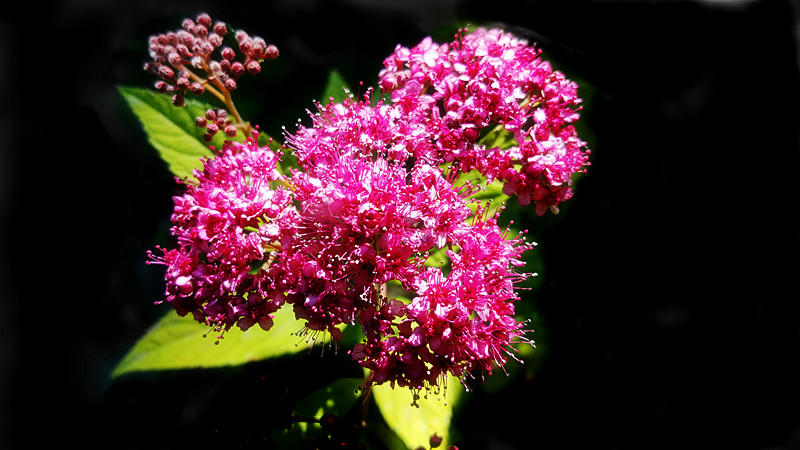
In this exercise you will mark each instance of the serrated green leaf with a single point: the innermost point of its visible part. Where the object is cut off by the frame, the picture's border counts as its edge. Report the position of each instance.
(177, 343)
(415, 425)
(171, 129)
(335, 87)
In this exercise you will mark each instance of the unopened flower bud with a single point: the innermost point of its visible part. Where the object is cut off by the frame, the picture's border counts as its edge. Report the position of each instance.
(204, 19)
(178, 99)
(214, 67)
(215, 40)
(212, 128)
(200, 31)
(253, 67)
(228, 53)
(197, 88)
(230, 130)
(237, 68)
(210, 114)
(208, 137)
(241, 35)
(435, 440)
(174, 59)
(182, 83)
(271, 52)
(258, 47)
(205, 48)
(166, 73)
(161, 86)
(183, 51)
(187, 24)
(220, 28)
(225, 65)
(197, 62)
(230, 83)
(200, 122)
(185, 38)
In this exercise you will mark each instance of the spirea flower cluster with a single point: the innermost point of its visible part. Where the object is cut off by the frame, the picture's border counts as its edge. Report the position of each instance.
(351, 235)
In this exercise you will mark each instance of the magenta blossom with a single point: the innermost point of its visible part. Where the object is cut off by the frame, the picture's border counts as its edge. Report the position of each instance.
(486, 84)
(229, 224)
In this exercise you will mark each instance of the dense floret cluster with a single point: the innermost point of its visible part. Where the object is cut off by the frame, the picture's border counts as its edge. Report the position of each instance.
(378, 194)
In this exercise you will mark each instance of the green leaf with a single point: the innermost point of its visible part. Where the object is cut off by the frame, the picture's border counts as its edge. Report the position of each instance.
(171, 129)
(177, 343)
(415, 425)
(335, 88)
(336, 398)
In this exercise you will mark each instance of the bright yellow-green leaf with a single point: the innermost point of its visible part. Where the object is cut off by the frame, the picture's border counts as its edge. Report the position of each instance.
(415, 425)
(177, 343)
(171, 129)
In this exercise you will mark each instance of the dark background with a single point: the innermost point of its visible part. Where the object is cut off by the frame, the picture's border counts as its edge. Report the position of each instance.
(668, 302)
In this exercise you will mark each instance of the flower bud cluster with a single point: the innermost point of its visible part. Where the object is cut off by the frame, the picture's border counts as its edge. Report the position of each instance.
(193, 58)
(215, 120)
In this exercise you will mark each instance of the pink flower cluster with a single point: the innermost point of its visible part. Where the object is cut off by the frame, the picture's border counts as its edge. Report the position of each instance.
(485, 83)
(349, 236)
(230, 224)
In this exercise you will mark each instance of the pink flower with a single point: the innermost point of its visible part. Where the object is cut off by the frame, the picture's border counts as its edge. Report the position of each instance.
(230, 225)
(456, 323)
(490, 80)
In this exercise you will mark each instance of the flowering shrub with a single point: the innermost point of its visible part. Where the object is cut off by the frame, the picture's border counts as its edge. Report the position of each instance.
(383, 191)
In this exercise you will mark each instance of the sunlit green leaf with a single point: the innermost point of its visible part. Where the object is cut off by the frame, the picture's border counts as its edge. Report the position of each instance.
(415, 425)
(171, 129)
(177, 343)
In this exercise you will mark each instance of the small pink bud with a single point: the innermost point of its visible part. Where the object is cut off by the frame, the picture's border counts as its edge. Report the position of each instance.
(435, 440)
(199, 31)
(183, 51)
(237, 68)
(210, 114)
(220, 28)
(253, 67)
(207, 137)
(225, 65)
(215, 39)
(187, 24)
(245, 45)
(200, 122)
(228, 53)
(197, 88)
(204, 19)
(182, 83)
(212, 128)
(185, 38)
(161, 86)
(178, 99)
(230, 130)
(271, 52)
(258, 47)
(166, 73)
(241, 35)
(230, 83)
